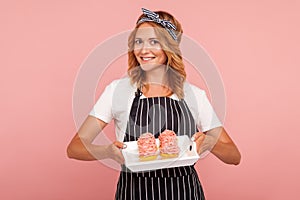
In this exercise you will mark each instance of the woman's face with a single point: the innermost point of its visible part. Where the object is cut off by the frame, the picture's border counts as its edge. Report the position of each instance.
(147, 48)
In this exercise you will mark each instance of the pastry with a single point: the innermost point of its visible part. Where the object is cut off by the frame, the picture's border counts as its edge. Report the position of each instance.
(147, 147)
(168, 144)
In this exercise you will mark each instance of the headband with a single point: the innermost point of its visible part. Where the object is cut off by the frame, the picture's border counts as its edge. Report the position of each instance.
(154, 17)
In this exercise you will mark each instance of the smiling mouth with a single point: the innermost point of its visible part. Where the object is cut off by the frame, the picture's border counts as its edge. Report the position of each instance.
(147, 58)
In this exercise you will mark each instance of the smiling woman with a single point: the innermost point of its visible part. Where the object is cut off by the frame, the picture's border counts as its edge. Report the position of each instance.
(159, 99)
(148, 50)
(155, 40)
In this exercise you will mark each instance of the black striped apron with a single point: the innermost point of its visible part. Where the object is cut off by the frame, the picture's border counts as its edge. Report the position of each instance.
(154, 115)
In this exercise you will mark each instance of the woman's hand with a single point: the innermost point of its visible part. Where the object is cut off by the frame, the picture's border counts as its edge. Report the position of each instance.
(219, 143)
(203, 142)
(198, 138)
(113, 152)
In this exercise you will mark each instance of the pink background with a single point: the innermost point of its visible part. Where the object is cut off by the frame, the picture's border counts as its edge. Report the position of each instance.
(255, 45)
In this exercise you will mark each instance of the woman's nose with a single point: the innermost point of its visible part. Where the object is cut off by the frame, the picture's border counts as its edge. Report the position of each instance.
(145, 48)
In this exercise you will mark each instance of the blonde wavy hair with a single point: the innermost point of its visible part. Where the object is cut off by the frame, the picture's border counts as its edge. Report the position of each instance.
(176, 74)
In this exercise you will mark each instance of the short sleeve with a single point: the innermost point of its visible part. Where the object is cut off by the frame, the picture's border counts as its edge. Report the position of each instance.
(207, 117)
(103, 107)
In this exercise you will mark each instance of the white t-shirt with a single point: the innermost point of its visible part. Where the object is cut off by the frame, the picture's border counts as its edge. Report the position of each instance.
(116, 100)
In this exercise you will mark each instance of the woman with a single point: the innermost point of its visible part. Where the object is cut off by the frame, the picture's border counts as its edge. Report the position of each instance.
(154, 97)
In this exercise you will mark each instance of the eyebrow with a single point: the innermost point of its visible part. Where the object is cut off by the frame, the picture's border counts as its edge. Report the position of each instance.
(148, 38)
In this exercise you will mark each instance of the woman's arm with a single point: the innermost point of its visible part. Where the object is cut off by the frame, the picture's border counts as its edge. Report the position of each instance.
(220, 144)
(81, 146)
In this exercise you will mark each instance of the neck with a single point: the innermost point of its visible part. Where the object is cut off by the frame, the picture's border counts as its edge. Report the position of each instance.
(156, 90)
(157, 76)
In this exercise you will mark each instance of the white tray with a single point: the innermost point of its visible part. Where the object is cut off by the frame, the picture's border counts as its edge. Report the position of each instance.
(186, 157)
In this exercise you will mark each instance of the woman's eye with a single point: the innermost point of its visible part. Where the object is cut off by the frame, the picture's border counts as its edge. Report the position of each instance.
(154, 42)
(137, 41)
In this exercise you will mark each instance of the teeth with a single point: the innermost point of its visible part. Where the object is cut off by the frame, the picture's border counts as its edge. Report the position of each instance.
(146, 58)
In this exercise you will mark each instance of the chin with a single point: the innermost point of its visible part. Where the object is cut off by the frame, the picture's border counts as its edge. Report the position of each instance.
(149, 67)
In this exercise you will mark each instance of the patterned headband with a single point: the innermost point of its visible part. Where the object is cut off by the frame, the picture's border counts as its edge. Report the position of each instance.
(154, 17)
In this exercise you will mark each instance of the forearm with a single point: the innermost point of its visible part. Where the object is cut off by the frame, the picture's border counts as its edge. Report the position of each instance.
(218, 142)
(80, 151)
(227, 152)
(81, 146)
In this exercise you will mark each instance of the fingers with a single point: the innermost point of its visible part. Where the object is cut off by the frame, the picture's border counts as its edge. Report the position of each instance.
(118, 144)
(198, 137)
(119, 158)
(117, 155)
